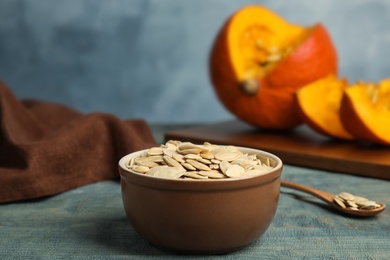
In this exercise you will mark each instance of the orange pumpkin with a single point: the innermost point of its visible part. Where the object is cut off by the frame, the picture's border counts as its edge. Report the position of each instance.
(365, 111)
(318, 105)
(259, 60)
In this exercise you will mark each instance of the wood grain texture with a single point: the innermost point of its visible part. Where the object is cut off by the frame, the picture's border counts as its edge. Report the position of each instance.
(301, 147)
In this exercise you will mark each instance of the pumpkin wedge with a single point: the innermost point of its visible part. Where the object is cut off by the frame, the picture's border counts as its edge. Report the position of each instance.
(318, 105)
(258, 60)
(365, 111)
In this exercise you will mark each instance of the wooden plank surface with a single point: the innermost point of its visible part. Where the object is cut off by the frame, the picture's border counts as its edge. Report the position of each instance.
(301, 147)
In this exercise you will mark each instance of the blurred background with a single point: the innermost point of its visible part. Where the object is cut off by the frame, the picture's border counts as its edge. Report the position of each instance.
(149, 58)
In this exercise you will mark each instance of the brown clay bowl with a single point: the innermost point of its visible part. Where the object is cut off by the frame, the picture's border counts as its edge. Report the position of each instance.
(201, 216)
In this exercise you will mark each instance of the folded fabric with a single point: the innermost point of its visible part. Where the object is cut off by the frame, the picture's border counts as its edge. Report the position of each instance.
(47, 148)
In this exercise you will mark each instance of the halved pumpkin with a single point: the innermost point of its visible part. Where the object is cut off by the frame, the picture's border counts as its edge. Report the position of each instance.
(365, 111)
(259, 60)
(318, 104)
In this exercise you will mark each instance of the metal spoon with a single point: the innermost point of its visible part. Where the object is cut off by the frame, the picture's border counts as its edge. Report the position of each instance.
(328, 198)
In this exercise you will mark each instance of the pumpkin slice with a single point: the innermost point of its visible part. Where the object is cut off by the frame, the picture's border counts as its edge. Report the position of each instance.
(318, 105)
(365, 111)
(259, 60)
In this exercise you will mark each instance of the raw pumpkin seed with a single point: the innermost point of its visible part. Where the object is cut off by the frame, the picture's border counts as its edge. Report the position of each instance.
(350, 201)
(170, 173)
(155, 151)
(185, 160)
(139, 168)
(235, 171)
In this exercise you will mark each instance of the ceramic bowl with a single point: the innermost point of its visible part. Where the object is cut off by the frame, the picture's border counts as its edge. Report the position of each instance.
(201, 216)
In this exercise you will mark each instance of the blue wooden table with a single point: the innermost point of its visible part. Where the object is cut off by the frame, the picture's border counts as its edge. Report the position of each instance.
(89, 223)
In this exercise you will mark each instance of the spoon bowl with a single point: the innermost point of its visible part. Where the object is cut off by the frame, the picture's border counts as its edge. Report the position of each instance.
(328, 198)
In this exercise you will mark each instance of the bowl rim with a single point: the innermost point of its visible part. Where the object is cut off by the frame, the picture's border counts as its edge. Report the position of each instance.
(193, 184)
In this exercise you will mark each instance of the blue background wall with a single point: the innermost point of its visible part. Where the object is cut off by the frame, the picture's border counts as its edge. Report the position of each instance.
(148, 58)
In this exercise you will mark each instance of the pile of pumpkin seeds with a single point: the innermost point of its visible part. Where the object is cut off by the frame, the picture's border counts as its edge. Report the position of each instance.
(348, 200)
(185, 160)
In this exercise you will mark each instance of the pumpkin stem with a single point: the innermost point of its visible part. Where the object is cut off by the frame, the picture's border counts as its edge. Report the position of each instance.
(249, 86)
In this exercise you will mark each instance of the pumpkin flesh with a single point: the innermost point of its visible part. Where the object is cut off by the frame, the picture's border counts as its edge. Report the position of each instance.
(318, 105)
(365, 111)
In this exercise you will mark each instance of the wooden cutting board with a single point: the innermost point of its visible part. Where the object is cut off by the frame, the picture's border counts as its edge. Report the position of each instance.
(301, 147)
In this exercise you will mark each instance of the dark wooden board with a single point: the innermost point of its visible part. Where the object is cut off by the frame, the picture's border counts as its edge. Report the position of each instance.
(301, 147)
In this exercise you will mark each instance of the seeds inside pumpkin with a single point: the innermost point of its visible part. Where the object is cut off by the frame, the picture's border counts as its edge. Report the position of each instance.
(265, 55)
(263, 48)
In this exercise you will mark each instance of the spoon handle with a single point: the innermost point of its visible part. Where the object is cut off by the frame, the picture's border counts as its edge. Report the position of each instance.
(322, 195)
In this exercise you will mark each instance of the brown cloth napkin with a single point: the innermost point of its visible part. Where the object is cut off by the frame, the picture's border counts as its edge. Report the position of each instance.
(47, 148)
